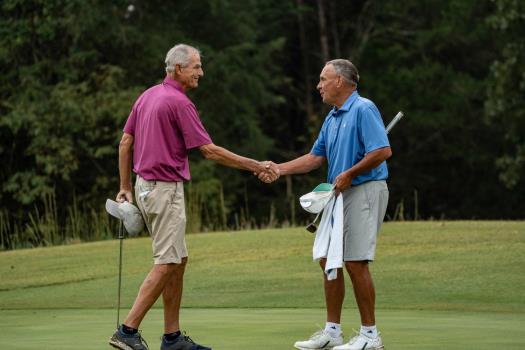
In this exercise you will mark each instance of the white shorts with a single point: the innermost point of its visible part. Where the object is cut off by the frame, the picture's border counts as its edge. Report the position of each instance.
(364, 210)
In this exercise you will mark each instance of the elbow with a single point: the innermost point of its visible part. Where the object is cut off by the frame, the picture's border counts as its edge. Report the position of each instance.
(388, 152)
(315, 162)
(209, 151)
(125, 144)
(208, 155)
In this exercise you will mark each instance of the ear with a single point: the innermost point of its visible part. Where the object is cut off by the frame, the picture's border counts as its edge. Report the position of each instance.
(178, 69)
(339, 81)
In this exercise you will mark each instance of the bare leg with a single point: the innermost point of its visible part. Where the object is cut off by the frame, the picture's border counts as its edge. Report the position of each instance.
(149, 292)
(172, 296)
(334, 292)
(363, 290)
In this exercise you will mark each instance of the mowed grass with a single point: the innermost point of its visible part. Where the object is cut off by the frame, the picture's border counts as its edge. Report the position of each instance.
(470, 266)
(262, 329)
(440, 285)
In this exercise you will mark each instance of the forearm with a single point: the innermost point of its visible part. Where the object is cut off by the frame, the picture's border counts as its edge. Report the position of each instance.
(224, 157)
(124, 165)
(370, 161)
(301, 165)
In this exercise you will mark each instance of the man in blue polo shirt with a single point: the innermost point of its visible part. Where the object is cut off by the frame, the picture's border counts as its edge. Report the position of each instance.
(354, 142)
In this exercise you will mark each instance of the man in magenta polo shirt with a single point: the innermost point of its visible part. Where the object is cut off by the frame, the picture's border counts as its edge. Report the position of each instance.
(161, 128)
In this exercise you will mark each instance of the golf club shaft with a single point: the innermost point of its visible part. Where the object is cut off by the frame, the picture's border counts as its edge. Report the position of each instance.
(121, 239)
(394, 121)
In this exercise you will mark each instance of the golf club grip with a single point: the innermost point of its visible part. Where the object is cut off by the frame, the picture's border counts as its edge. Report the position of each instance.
(394, 121)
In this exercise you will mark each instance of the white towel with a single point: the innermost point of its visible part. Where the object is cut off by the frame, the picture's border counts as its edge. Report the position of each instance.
(329, 238)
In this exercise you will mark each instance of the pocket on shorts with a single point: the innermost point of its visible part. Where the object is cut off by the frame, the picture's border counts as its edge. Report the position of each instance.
(368, 196)
(173, 196)
(176, 197)
(383, 202)
(145, 193)
(376, 191)
(176, 203)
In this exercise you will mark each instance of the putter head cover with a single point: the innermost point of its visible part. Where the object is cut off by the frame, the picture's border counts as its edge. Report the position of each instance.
(315, 201)
(128, 213)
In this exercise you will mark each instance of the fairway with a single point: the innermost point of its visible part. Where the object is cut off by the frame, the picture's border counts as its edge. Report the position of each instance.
(440, 285)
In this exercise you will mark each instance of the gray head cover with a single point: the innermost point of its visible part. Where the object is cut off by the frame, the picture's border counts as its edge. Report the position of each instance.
(128, 213)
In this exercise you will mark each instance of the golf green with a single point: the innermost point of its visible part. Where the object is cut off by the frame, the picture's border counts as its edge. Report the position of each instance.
(268, 329)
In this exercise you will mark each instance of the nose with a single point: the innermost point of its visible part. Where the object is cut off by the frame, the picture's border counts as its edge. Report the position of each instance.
(318, 87)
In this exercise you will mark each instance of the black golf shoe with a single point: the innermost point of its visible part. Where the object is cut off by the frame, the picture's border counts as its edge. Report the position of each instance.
(182, 342)
(125, 341)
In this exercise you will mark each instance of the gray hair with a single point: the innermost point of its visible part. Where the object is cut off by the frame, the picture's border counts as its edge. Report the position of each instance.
(179, 54)
(346, 69)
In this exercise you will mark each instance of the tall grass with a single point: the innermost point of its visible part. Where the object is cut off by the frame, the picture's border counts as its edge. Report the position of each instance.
(206, 209)
(10, 232)
(43, 227)
(48, 225)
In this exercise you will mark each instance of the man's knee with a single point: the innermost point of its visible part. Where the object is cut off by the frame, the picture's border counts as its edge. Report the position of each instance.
(180, 267)
(356, 267)
(172, 267)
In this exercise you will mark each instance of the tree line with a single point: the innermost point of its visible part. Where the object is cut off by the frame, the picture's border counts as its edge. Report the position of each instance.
(71, 70)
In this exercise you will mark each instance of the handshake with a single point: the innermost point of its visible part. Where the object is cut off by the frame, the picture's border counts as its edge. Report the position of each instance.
(267, 171)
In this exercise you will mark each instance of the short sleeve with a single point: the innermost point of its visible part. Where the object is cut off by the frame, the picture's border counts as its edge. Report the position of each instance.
(129, 128)
(373, 133)
(193, 132)
(319, 147)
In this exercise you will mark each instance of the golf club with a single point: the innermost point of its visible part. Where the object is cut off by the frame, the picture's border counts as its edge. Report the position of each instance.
(312, 227)
(394, 121)
(121, 239)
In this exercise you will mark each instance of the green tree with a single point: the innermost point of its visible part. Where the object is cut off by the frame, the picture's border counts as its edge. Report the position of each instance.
(71, 71)
(504, 106)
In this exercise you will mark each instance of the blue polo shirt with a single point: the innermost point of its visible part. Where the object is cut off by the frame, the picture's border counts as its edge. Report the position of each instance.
(348, 134)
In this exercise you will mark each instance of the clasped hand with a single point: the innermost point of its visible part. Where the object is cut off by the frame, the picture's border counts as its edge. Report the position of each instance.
(267, 171)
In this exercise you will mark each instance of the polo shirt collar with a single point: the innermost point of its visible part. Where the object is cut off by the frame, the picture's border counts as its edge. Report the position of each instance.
(346, 106)
(173, 83)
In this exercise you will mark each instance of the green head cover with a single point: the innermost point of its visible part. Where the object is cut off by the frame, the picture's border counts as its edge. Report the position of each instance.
(324, 187)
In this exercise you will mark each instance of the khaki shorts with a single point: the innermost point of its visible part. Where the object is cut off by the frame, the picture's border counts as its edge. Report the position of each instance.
(364, 210)
(162, 205)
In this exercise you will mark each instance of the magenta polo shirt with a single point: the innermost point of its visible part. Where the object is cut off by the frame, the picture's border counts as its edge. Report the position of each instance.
(165, 124)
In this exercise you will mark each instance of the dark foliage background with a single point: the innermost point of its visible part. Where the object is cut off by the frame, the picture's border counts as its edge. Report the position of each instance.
(70, 71)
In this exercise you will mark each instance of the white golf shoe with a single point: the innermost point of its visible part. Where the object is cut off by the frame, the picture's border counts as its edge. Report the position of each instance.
(320, 340)
(362, 342)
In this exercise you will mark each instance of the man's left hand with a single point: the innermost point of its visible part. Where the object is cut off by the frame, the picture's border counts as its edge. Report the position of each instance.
(342, 182)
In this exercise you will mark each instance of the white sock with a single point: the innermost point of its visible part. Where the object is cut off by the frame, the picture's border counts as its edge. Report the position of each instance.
(334, 329)
(369, 331)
